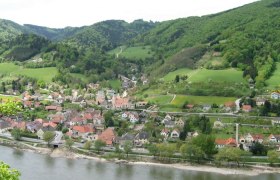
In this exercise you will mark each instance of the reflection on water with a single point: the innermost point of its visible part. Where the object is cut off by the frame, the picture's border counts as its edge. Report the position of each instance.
(42, 167)
(49, 161)
(18, 153)
(100, 167)
(70, 163)
(124, 171)
(157, 172)
(89, 165)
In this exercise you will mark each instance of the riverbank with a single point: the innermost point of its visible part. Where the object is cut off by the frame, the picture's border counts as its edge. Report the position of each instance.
(64, 153)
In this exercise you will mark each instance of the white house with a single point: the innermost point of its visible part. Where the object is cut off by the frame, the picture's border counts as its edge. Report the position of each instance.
(275, 95)
(175, 133)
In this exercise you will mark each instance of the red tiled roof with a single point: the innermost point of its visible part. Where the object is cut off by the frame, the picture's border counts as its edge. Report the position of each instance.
(229, 141)
(230, 104)
(190, 106)
(51, 107)
(107, 136)
(50, 124)
(83, 129)
(257, 136)
(247, 107)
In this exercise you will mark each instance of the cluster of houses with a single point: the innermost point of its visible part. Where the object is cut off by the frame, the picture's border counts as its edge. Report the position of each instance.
(248, 140)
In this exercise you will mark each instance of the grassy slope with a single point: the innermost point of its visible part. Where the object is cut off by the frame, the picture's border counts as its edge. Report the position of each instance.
(138, 52)
(181, 99)
(45, 74)
(202, 75)
(273, 82)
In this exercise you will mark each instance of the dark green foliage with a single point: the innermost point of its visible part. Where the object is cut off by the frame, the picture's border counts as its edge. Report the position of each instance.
(206, 143)
(25, 46)
(258, 149)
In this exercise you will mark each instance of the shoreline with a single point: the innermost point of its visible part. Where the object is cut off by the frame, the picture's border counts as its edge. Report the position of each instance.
(63, 153)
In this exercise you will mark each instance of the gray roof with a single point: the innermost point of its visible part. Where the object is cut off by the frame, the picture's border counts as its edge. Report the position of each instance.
(142, 135)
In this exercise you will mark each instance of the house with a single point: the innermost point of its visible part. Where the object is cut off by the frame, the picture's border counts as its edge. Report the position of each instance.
(260, 101)
(274, 138)
(120, 103)
(133, 117)
(108, 136)
(82, 131)
(189, 106)
(249, 138)
(53, 108)
(218, 124)
(100, 98)
(169, 124)
(206, 107)
(20, 125)
(141, 138)
(40, 134)
(247, 108)
(49, 126)
(229, 106)
(125, 138)
(193, 134)
(124, 115)
(275, 95)
(221, 143)
(77, 120)
(34, 126)
(180, 123)
(141, 104)
(175, 133)
(275, 122)
(165, 133)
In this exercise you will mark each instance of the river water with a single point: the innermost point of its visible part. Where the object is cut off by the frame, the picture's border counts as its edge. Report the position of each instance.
(42, 167)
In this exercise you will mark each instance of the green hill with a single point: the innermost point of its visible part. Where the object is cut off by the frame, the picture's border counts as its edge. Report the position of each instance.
(246, 37)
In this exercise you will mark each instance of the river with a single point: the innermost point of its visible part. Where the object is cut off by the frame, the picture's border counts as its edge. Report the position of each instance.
(42, 167)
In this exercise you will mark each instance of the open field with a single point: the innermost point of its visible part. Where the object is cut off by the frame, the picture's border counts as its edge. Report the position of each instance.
(181, 72)
(45, 74)
(202, 75)
(274, 81)
(181, 99)
(161, 99)
(138, 52)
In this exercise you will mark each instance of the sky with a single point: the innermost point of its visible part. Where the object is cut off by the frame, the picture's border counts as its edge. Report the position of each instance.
(75, 13)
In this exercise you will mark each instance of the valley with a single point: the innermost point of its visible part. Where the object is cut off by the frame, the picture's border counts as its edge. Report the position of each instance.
(202, 90)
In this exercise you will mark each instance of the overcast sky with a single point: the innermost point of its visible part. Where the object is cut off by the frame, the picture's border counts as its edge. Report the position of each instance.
(61, 13)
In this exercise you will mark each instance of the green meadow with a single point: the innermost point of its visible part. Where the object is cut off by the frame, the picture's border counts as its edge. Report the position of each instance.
(202, 75)
(274, 81)
(45, 74)
(137, 52)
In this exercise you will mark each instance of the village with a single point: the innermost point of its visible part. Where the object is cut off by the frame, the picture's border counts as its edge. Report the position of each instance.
(115, 119)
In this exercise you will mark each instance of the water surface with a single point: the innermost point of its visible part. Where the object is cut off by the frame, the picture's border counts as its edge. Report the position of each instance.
(42, 167)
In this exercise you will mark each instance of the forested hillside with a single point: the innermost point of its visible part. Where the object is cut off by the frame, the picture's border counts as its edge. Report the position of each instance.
(247, 37)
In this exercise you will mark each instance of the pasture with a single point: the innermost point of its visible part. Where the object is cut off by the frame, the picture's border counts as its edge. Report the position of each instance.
(181, 99)
(274, 81)
(137, 52)
(45, 74)
(203, 75)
